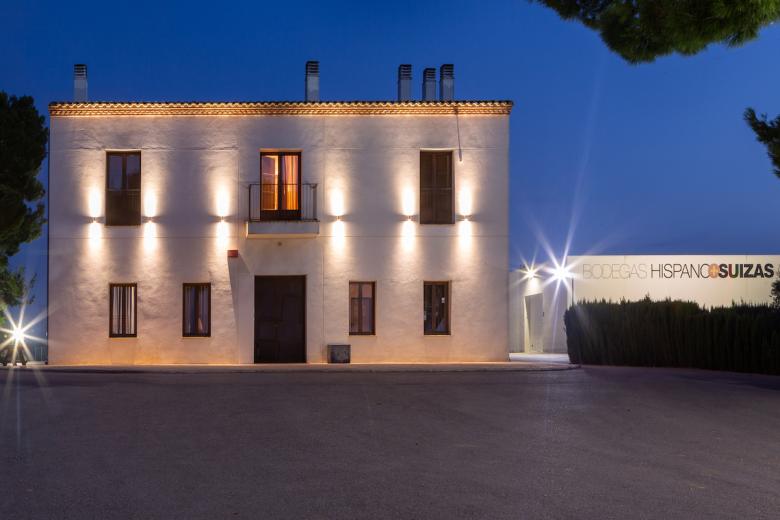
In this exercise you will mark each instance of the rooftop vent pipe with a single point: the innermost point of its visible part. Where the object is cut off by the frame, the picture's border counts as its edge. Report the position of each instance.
(80, 82)
(404, 82)
(312, 81)
(447, 82)
(429, 85)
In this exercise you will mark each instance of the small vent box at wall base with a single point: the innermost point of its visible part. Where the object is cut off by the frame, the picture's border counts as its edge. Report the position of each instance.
(339, 353)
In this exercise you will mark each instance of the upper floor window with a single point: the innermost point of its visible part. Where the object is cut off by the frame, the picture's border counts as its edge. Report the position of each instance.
(196, 319)
(123, 189)
(280, 184)
(123, 306)
(436, 193)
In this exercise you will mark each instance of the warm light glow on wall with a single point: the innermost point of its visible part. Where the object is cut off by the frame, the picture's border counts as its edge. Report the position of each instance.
(465, 230)
(95, 234)
(339, 228)
(150, 205)
(95, 203)
(337, 203)
(465, 203)
(407, 235)
(222, 234)
(150, 236)
(408, 202)
(223, 203)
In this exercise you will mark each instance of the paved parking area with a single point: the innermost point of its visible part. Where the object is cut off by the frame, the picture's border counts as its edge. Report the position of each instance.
(589, 443)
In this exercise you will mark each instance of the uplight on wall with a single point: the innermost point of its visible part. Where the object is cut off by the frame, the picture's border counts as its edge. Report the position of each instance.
(337, 204)
(465, 204)
(223, 203)
(94, 204)
(150, 205)
(408, 203)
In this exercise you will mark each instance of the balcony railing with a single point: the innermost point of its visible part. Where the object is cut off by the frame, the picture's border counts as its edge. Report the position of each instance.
(275, 202)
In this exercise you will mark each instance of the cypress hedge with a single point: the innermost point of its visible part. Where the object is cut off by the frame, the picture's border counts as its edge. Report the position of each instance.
(740, 338)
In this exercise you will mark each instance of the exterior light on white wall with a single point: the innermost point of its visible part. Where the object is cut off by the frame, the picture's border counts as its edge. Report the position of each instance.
(337, 204)
(465, 204)
(338, 228)
(223, 204)
(407, 203)
(150, 206)
(94, 204)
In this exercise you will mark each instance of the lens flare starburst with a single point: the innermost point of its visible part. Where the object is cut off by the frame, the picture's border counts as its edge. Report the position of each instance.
(18, 334)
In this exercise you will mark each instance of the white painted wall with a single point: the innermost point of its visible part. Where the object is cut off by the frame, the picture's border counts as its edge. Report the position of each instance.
(613, 278)
(192, 165)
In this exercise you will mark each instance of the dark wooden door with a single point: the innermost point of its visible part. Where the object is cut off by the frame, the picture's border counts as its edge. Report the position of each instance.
(280, 319)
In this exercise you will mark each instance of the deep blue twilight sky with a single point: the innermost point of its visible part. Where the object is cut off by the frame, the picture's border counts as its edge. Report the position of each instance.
(643, 159)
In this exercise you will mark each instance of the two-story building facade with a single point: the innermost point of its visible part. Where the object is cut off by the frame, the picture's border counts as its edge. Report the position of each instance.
(264, 231)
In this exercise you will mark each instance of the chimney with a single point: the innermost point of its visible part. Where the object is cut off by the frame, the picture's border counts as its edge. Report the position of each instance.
(429, 85)
(447, 82)
(312, 81)
(80, 82)
(404, 82)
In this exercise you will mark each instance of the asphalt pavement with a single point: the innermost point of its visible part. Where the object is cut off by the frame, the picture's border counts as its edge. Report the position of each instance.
(586, 443)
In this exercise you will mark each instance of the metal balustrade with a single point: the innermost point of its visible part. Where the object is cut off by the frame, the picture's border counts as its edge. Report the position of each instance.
(275, 202)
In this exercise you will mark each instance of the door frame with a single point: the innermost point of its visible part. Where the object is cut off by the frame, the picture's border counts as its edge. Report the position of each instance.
(254, 312)
(527, 319)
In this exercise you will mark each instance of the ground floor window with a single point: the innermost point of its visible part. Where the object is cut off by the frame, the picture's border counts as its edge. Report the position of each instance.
(123, 304)
(436, 307)
(197, 309)
(361, 307)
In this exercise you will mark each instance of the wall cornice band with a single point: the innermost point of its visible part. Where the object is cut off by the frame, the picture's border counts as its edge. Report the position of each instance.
(284, 108)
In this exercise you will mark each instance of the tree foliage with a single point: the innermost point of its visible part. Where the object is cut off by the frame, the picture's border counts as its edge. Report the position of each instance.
(23, 138)
(742, 338)
(768, 133)
(776, 294)
(643, 30)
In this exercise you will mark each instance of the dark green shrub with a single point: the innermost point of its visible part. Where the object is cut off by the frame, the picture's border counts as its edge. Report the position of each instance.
(742, 338)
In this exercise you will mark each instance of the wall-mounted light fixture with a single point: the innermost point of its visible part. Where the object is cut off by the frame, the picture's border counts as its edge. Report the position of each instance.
(408, 203)
(465, 204)
(337, 204)
(223, 203)
(94, 203)
(150, 205)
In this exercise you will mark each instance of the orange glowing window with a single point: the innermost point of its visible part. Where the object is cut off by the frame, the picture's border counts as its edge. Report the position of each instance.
(280, 183)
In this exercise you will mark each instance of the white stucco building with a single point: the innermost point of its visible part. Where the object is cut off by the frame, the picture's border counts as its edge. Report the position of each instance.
(265, 231)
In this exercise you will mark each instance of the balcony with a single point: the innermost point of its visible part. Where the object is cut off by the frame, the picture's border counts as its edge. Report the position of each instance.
(282, 211)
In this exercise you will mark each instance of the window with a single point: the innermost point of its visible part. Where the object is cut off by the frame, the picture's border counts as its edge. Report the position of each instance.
(196, 319)
(436, 307)
(123, 305)
(123, 189)
(361, 308)
(436, 200)
(280, 184)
